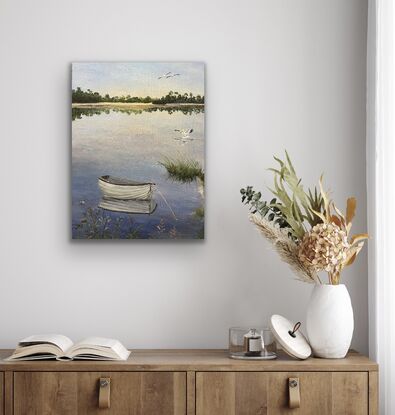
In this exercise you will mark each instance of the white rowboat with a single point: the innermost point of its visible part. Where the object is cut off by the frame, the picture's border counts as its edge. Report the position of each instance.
(124, 189)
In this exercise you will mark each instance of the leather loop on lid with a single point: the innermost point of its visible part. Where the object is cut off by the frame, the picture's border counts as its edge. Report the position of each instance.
(290, 337)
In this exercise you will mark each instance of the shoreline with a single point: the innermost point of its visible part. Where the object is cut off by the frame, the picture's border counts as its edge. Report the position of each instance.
(132, 105)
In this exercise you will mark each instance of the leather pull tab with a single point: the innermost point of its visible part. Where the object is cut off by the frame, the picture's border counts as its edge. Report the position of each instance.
(294, 393)
(104, 393)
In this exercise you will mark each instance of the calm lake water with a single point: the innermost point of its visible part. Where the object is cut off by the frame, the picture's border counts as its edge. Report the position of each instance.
(130, 144)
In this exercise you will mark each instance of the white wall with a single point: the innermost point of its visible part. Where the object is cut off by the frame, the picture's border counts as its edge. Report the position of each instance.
(280, 74)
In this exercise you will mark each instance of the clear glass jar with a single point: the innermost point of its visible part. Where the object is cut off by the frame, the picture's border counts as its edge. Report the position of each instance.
(252, 343)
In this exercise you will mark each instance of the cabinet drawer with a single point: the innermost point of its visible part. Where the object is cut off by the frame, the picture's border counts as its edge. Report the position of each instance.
(252, 393)
(71, 393)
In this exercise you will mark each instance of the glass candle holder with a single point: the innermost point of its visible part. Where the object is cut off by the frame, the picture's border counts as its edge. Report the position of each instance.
(256, 343)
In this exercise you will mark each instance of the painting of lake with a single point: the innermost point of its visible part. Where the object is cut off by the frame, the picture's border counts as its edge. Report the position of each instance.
(138, 150)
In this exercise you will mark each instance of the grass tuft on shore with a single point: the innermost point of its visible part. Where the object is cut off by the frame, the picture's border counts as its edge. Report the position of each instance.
(199, 213)
(183, 170)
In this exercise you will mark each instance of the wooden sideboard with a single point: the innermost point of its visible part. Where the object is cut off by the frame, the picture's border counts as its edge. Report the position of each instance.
(189, 382)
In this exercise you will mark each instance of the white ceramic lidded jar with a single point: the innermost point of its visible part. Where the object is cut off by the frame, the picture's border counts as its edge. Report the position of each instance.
(330, 321)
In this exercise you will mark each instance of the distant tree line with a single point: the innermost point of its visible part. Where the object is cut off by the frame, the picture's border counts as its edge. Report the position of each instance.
(80, 96)
(177, 98)
(88, 96)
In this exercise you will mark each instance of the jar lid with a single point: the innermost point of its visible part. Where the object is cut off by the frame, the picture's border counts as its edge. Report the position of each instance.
(289, 337)
(253, 334)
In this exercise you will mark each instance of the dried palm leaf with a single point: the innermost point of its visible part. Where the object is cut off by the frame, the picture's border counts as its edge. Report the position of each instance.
(326, 200)
(352, 254)
(321, 216)
(358, 238)
(351, 207)
(316, 204)
(336, 220)
(341, 217)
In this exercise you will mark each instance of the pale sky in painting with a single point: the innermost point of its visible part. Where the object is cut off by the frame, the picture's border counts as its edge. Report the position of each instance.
(138, 78)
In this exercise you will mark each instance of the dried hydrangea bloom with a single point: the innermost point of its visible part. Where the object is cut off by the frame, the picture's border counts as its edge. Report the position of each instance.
(324, 248)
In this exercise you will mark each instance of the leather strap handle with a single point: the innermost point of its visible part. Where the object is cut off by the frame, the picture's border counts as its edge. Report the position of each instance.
(104, 393)
(294, 393)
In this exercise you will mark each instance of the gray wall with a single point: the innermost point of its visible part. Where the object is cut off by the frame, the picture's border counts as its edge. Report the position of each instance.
(280, 74)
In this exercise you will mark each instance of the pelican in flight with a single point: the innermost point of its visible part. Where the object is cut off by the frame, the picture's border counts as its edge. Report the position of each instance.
(168, 75)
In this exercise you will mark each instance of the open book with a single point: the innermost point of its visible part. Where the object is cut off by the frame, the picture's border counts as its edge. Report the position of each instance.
(56, 346)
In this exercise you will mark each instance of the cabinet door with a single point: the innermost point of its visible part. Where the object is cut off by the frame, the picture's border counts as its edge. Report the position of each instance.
(231, 393)
(259, 393)
(1, 393)
(323, 393)
(71, 393)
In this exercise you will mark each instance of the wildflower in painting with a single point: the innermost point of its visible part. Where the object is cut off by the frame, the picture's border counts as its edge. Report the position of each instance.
(97, 224)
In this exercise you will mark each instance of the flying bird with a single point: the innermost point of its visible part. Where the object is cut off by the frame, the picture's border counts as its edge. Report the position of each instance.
(164, 75)
(184, 134)
(168, 75)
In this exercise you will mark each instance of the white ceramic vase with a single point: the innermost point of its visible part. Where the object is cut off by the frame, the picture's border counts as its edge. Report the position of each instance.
(330, 321)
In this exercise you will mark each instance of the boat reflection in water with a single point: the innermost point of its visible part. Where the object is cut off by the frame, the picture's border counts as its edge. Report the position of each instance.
(128, 206)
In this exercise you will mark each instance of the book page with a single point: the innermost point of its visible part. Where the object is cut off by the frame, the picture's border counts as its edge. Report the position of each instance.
(36, 352)
(62, 342)
(101, 347)
(98, 341)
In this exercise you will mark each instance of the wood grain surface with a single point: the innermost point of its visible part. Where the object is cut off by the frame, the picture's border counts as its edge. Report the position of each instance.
(373, 393)
(72, 393)
(189, 382)
(1, 393)
(247, 393)
(195, 360)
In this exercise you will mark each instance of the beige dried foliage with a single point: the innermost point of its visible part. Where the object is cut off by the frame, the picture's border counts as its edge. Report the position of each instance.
(325, 248)
(328, 246)
(286, 248)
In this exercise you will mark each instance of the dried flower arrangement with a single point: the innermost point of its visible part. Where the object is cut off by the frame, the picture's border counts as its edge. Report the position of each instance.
(306, 229)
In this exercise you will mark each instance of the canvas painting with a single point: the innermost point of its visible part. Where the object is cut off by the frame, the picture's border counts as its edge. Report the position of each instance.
(138, 150)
